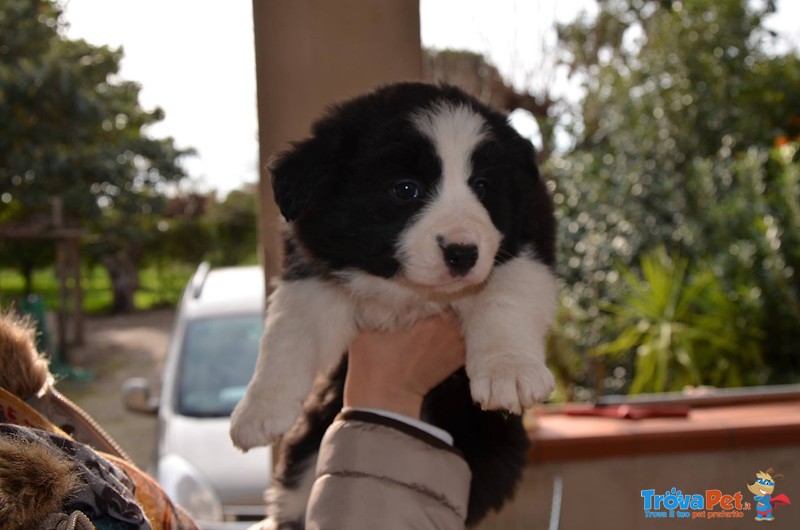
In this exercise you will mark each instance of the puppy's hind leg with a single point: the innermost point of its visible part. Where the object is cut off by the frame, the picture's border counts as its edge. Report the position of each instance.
(295, 471)
(286, 506)
(309, 325)
(495, 445)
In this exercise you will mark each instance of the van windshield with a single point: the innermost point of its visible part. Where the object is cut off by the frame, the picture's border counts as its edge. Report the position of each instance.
(217, 361)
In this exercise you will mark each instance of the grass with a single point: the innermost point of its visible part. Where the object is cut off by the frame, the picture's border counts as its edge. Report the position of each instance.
(158, 287)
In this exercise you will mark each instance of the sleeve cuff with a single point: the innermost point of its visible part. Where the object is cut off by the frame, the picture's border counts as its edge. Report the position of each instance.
(433, 430)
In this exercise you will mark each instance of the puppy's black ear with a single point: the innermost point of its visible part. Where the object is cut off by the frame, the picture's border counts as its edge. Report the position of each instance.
(526, 156)
(301, 175)
(534, 211)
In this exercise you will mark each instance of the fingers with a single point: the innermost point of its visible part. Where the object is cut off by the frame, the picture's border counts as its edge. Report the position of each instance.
(389, 367)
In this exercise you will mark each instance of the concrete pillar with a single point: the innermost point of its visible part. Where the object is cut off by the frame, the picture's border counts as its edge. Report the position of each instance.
(310, 53)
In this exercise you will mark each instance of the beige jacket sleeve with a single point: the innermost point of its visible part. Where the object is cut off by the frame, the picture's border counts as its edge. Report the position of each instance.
(375, 472)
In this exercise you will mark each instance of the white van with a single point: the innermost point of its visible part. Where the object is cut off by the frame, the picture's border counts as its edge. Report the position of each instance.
(211, 357)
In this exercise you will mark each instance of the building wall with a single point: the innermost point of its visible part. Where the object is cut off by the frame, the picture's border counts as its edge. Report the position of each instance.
(310, 53)
(605, 493)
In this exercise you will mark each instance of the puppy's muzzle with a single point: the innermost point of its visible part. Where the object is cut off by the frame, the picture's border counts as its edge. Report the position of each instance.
(460, 258)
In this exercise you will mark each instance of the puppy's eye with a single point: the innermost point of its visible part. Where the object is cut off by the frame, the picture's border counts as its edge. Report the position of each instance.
(406, 190)
(479, 186)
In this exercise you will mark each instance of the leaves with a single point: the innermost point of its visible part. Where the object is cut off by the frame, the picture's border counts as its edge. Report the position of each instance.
(69, 126)
(678, 145)
(683, 327)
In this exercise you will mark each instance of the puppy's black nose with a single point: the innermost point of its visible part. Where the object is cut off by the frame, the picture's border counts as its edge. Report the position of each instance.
(460, 258)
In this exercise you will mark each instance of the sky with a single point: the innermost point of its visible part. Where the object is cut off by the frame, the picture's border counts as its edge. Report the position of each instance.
(195, 59)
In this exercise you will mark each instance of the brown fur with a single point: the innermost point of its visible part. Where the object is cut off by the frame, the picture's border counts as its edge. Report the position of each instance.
(35, 481)
(25, 372)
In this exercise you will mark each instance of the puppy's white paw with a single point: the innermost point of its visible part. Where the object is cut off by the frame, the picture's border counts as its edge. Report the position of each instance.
(259, 424)
(506, 382)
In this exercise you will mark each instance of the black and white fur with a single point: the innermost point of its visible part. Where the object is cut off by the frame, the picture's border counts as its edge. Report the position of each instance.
(406, 202)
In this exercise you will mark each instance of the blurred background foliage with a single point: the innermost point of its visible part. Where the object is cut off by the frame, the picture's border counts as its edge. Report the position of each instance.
(72, 129)
(678, 200)
(675, 176)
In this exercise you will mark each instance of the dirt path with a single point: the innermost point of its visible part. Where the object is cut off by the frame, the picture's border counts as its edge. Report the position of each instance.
(119, 347)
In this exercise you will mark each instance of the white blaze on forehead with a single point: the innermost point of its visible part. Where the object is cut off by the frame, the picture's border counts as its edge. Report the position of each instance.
(455, 130)
(453, 215)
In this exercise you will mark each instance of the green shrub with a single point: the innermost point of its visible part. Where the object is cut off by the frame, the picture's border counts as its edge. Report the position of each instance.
(683, 327)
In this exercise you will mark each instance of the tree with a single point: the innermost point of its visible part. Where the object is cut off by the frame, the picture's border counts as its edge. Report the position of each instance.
(473, 73)
(679, 67)
(182, 233)
(232, 222)
(675, 146)
(71, 128)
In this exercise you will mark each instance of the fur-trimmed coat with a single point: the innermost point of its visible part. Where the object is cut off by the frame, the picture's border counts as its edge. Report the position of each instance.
(51, 480)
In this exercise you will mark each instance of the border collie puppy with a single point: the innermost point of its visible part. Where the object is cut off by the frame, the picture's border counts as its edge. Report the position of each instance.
(406, 202)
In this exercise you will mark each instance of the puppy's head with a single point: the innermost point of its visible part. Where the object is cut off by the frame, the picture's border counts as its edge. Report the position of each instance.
(415, 182)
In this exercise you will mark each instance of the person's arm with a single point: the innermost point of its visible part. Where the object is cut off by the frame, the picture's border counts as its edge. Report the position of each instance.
(378, 470)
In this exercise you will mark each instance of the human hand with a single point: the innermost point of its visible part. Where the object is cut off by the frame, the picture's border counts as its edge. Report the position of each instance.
(394, 371)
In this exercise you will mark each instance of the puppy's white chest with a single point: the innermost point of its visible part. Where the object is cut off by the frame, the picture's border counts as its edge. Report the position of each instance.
(376, 314)
(386, 305)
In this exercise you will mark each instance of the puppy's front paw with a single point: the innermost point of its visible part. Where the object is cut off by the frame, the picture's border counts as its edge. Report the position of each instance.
(256, 424)
(513, 383)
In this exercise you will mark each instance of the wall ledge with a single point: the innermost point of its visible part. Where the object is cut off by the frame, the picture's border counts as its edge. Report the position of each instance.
(558, 435)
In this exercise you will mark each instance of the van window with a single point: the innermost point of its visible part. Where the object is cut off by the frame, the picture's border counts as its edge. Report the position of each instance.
(217, 361)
